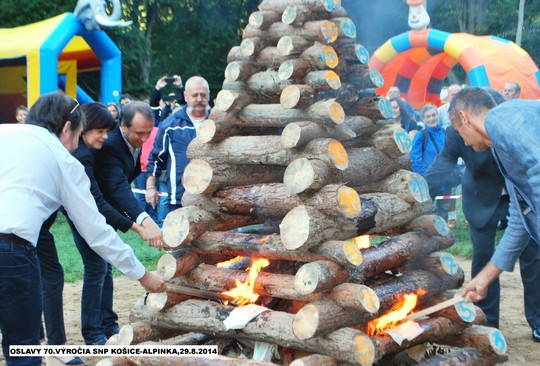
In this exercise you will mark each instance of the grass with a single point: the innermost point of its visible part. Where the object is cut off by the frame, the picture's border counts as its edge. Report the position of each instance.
(71, 259)
(73, 268)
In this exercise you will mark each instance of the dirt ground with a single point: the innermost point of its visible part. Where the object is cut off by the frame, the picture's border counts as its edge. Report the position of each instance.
(521, 349)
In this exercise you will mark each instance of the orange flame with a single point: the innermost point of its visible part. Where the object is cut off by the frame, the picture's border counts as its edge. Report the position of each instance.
(389, 320)
(244, 292)
(361, 241)
(229, 262)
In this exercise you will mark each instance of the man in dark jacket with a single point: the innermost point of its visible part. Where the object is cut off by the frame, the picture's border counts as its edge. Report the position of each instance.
(172, 140)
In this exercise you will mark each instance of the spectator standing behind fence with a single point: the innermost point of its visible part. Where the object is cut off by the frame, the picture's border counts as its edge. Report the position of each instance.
(445, 122)
(172, 140)
(41, 146)
(425, 146)
(485, 202)
(512, 131)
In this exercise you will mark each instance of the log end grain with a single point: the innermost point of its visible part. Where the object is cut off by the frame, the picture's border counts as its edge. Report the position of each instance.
(166, 266)
(338, 155)
(349, 202)
(294, 228)
(197, 176)
(175, 228)
(306, 322)
(290, 96)
(299, 176)
(207, 131)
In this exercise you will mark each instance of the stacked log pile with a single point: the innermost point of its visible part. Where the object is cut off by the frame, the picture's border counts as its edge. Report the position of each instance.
(298, 144)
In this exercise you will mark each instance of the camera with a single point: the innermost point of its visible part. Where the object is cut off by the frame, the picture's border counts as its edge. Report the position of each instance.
(170, 79)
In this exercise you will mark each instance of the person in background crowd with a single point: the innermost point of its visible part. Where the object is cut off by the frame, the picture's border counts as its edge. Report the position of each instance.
(172, 140)
(512, 90)
(41, 146)
(113, 109)
(124, 99)
(401, 115)
(511, 129)
(168, 103)
(394, 92)
(445, 122)
(485, 202)
(20, 113)
(425, 146)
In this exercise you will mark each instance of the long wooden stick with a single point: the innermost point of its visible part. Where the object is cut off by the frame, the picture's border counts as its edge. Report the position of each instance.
(433, 309)
(184, 290)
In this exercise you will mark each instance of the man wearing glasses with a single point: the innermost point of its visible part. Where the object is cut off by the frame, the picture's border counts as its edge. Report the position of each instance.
(175, 134)
(38, 176)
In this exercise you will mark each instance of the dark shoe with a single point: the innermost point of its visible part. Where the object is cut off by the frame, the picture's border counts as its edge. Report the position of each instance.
(536, 334)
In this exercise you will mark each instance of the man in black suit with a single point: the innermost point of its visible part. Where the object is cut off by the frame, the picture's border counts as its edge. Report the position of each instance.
(117, 164)
(484, 204)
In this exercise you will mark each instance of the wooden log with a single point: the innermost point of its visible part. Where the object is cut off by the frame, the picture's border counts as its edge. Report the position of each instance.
(218, 130)
(372, 107)
(158, 301)
(185, 224)
(434, 329)
(392, 140)
(114, 361)
(345, 26)
(351, 52)
(274, 200)
(268, 57)
(177, 263)
(430, 224)
(306, 227)
(317, 6)
(316, 57)
(299, 14)
(263, 19)
(319, 276)
(323, 80)
(228, 100)
(271, 247)
(323, 31)
(298, 134)
(204, 177)
(143, 332)
(292, 45)
(253, 46)
(409, 186)
(465, 357)
(487, 339)
(267, 150)
(240, 71)
(345, 344)
(297, 96)
(366, 165)
(267, 83)
(198, 360)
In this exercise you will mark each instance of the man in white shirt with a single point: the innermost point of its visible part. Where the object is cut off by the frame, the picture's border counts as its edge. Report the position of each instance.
(38, 176)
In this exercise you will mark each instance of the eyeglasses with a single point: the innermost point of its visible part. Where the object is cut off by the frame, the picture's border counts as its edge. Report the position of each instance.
(70, 116)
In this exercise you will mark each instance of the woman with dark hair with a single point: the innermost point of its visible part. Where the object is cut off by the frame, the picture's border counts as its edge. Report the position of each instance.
(401, 115)
(98, 319)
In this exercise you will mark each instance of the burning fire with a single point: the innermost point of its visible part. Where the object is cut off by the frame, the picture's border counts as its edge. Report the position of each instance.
(389, 320)
(361, 241)
(229, 262)
(244, 292)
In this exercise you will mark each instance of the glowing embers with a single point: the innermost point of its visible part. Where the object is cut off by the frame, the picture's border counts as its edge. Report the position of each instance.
(244, 292)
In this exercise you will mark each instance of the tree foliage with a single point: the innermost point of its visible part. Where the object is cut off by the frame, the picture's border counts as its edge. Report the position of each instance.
(193, 37)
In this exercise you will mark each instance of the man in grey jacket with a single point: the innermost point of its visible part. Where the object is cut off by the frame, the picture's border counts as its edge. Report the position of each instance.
(512, 131)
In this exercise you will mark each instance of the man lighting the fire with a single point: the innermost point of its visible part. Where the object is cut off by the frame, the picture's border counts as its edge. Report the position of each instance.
(512, 131)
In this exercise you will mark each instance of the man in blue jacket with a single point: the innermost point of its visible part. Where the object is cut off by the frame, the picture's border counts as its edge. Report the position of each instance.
(512, 131)
(172, 140)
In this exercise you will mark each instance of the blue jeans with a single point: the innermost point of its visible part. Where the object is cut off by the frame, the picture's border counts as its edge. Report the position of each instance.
(98, 319)
(157, 214)
(52, 278)
(20, 299)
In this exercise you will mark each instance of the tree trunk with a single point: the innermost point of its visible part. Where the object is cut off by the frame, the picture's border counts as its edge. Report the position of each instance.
(204, 177)
(345, 344)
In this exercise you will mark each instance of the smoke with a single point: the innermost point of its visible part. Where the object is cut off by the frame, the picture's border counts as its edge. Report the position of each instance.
(379, 20)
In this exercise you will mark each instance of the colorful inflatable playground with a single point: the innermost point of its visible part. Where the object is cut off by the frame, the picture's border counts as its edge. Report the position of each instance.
(46, 56)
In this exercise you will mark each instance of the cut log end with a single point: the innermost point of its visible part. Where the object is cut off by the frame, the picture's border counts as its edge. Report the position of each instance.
(197, 176)
(337, 114)
(294, 228)
(290, 97)
(306, 322)
(156, 301)
(349, 202)
(232, 72)
(166, 266)
(290, 135)
(207, 131)
(175, 228)
(299, 176)
(338, 155)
